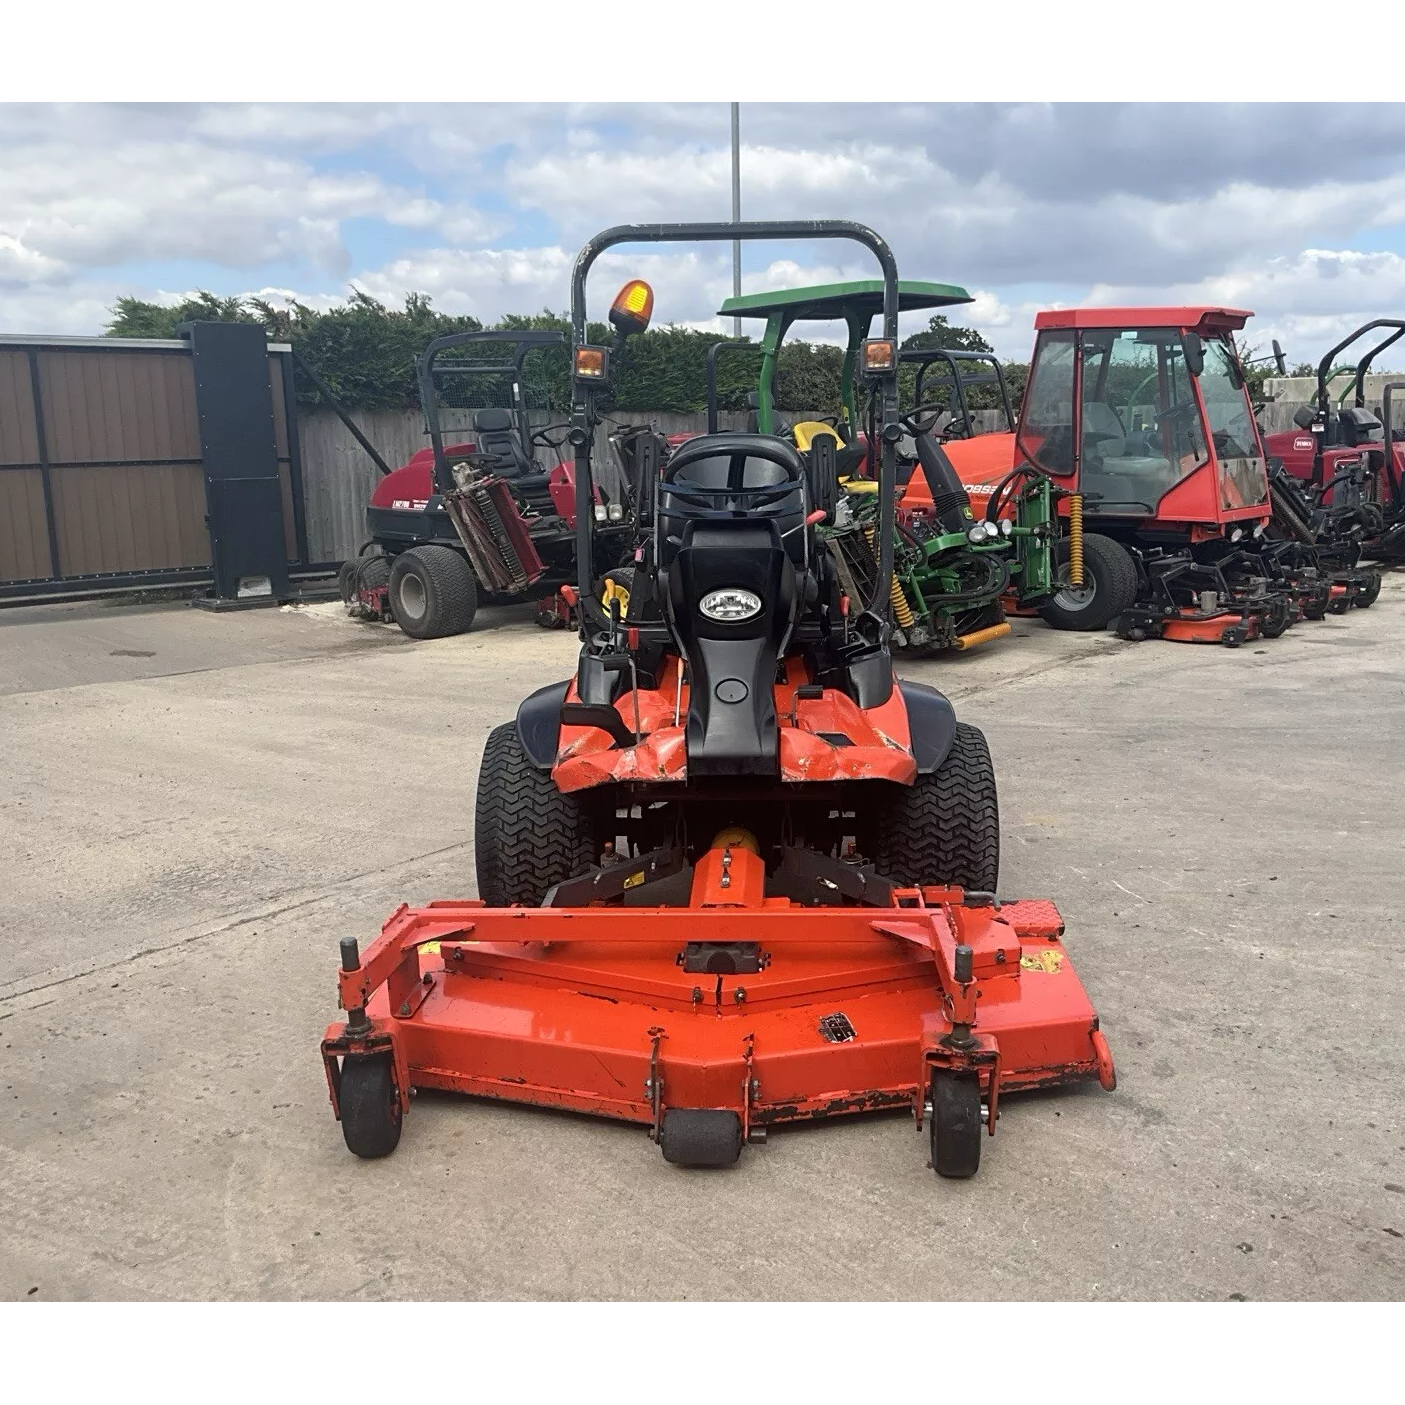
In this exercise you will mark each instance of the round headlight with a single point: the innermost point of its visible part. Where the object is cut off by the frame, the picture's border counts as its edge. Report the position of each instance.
(1236, 534)
(1006, 527)
(730, 606)
(976, 535)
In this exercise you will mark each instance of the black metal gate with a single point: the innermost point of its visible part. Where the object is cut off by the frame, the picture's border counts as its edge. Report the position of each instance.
(128, 463)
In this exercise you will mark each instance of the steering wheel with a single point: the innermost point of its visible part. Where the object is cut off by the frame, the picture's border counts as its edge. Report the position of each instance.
(921, 418)
(543, 435)
(1173, 412)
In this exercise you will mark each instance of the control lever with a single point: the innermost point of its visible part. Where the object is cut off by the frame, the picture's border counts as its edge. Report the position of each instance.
(818, 515)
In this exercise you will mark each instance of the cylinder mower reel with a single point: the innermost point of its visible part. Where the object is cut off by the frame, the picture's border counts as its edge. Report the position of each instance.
(732, 874)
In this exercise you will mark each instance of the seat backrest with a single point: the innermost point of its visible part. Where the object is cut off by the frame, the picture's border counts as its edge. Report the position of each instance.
(495, 432)
(1101, 420)
(733, 477)
(732, 727)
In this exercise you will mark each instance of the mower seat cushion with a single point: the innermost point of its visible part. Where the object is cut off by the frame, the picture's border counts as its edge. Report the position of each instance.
(495, 435)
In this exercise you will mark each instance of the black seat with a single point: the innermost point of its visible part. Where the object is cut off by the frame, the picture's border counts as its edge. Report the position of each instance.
(496, 435)
(732, 725)
(495, 432)
(724, 477)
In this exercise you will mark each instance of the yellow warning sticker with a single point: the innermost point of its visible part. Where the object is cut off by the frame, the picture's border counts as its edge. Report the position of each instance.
(1049, 962)
(634, 879)
(430, 948)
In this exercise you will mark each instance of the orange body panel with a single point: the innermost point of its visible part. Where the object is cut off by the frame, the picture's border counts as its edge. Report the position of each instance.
(980, 462)
(1203, 629)
(881, 744)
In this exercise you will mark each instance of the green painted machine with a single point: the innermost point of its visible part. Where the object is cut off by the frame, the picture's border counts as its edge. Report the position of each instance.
(951, 566)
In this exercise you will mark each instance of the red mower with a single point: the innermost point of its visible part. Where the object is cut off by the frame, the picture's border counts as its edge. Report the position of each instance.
(733, 873)
(1347, 462)
(477, 516)
(1141, 418)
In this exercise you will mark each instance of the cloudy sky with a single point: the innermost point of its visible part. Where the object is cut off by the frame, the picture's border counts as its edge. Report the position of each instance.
(1296, 212)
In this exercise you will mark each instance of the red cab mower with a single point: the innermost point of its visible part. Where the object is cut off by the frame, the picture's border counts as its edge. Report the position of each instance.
(733, 873)
(479, 515)
(1141, 418)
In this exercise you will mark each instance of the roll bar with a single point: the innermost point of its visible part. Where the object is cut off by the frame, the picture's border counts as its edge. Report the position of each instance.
(584, 416)
(525, 343)
(1324, 403)
(925, 357)
(733, 345)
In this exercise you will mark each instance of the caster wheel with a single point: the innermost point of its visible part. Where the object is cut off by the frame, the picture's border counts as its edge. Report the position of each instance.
(956, 1126)
(370, 1106)
(1369, 592)
(1233, 637)
(700, 1136)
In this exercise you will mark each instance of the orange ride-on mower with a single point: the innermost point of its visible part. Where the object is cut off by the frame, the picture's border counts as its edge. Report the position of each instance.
(733, 873)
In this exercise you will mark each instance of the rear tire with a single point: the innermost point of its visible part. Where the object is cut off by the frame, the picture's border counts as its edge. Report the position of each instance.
(1110, 585)
(370, 1106)
(346, 580)
(432, 592)
(945, 827)
(527, 835)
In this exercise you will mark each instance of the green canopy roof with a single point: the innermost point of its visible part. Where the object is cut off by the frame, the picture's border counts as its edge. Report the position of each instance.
(832, 300)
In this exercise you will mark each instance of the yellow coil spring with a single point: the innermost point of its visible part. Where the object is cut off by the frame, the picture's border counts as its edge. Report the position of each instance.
(902, 611)
(1075, 539)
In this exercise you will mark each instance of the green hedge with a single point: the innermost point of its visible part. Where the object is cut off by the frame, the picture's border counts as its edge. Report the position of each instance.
(366, 352)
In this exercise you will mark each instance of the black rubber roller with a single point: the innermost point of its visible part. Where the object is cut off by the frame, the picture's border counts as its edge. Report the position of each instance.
(700, 1136)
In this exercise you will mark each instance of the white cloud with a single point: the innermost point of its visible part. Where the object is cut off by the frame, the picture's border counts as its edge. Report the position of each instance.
(1233, 202)
(1308, 302)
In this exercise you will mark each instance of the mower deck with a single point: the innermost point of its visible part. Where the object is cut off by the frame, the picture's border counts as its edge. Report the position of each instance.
(636, 1012)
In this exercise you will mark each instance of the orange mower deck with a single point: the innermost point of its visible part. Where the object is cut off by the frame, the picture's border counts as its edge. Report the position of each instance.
(635, 1012)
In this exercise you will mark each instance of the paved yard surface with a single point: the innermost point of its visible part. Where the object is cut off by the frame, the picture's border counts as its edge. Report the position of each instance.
(194, 808)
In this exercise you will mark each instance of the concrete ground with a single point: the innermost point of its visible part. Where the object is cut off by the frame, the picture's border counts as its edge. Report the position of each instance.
(194, 808)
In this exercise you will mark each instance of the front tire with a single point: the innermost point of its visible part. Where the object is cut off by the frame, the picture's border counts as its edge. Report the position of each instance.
(527, 835)
(1109, 586)
(956, 1124)
(432, 592)
(370, 1106)
(944, 829)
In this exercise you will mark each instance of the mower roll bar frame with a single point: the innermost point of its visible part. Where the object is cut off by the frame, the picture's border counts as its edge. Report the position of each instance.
(526, 342)
(1324, 402)
(583, 413)
(925, 357)
(732, 344)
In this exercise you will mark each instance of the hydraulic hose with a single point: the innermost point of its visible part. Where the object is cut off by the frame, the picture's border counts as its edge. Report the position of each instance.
(995, 502)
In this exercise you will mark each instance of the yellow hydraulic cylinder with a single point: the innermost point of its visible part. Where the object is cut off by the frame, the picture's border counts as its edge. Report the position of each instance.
(1075, 539)
(982, 636)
